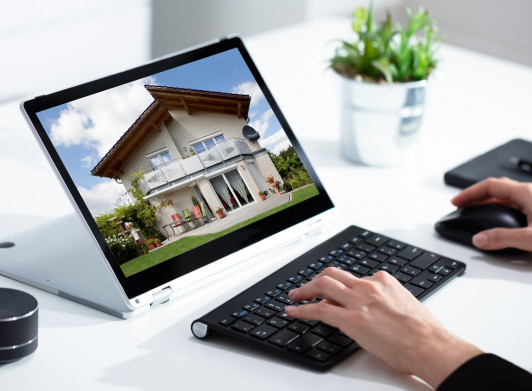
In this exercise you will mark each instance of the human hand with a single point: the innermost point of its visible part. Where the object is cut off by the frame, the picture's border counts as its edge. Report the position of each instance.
(384, 319)
(503, 190)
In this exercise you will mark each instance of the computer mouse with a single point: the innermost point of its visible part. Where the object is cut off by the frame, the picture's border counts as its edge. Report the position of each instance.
(462, 224)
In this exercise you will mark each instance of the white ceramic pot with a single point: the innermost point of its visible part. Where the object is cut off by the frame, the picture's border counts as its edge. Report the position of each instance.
(380, 122)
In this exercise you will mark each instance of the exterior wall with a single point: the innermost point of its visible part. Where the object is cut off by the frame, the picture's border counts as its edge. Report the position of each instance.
(181, 199)
(266, 168)
(157, 141)
(187, 128)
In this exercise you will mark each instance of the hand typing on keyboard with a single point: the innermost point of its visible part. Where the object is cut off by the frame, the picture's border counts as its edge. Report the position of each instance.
(385, 319)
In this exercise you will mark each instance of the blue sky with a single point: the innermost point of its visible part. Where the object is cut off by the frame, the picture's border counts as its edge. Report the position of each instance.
(84, 130)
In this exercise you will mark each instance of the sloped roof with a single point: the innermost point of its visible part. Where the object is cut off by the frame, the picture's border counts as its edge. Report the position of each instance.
(157, 113)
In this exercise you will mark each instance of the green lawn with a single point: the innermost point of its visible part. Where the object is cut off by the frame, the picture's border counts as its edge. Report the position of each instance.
(180, 246)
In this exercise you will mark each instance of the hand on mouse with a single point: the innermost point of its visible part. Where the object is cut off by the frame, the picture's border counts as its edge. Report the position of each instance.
(504, 190)
(386, 320)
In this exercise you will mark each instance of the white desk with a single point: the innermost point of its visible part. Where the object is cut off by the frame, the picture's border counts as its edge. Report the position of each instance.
(475, 103)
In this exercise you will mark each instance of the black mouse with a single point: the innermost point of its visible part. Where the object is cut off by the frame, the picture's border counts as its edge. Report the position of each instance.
(462, 224)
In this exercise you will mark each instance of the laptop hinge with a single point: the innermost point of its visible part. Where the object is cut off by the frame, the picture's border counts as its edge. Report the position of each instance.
(162, 296)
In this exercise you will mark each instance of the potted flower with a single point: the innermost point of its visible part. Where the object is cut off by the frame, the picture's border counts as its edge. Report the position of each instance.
(151, 243)
(220, 212)
(270, 181)
(262, 195)
(384, 73)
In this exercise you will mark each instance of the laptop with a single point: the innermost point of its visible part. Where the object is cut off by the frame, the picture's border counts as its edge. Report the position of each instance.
(177, 166)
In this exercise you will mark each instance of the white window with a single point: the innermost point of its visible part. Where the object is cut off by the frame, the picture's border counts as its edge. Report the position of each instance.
(208, 143)
(159, 159)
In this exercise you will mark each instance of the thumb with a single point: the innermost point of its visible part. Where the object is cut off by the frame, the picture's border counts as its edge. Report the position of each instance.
(499, 238)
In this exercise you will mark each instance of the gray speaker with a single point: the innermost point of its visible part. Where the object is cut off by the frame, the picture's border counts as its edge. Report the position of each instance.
(18, 324)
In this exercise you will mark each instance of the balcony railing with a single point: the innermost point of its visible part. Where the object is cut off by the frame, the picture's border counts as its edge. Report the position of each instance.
(184, 168)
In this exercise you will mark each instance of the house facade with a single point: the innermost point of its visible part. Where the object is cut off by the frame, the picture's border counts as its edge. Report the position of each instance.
(189, 147)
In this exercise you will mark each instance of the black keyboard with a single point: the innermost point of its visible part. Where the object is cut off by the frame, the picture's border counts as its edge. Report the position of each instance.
(257, 315)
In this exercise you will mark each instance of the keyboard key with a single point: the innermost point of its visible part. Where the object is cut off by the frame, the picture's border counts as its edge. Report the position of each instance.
(360, 269)
(227, 321)
(239, 314)
(275, 306)
(253, 319)
(395, 244)
(274, 292)
(284, 299)
(318, 355)
(317, 265)
(389, 268)
(242, 326)
(412, 271)
(304, 343)
(421, 282)
(415, 290)
(397, 261)
(377, 240)
(328, 347)
(263, 332)
(251, 307)
(368, 248)
(283, 337)
(410, 253)
(357, 254)
(277, 322)
(425, 260)
(378, 257)
(284, 285)
(264, 312)
(387, 250)
(340, 340)
(299, 327)
(323, 330)
(346, 246)
(369, 263)
(402, 277)
(262, 299)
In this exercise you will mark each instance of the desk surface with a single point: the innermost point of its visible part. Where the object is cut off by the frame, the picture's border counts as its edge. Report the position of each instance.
(475, 103)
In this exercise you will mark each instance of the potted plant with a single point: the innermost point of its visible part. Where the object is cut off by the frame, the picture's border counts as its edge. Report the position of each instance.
(262, 195)
(220, 212)
(384, 73)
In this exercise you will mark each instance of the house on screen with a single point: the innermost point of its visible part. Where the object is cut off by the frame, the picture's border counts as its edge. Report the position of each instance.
(190, 146)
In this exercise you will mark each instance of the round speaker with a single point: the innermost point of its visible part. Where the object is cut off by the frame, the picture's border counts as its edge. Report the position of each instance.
(18, 324)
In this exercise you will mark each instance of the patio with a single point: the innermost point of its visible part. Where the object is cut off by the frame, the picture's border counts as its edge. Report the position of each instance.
(242, 214)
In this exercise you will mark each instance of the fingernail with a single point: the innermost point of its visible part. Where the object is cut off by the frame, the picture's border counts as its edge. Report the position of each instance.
(292, 293)
(481, 239)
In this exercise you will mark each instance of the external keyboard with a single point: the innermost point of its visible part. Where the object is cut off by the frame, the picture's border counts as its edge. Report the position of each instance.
(257, 315)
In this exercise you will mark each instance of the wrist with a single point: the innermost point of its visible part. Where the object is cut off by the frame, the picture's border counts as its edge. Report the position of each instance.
(443, 355)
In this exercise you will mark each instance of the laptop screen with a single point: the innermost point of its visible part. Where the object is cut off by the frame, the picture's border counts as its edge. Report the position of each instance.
(178, 163)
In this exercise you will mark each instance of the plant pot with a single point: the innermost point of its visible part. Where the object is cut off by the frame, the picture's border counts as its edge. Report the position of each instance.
(380, 122)
(220, 214)
(158, 244)
(262, 197)
(151, 246)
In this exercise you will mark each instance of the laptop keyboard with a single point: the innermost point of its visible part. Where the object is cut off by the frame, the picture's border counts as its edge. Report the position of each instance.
(257, 315)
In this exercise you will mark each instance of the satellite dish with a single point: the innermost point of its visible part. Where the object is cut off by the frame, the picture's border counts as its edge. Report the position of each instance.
(250, 133)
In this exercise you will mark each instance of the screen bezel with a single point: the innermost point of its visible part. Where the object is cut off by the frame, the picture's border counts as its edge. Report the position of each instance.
(180, 265)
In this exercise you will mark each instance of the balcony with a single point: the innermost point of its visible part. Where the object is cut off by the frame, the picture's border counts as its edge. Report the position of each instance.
(182, 169)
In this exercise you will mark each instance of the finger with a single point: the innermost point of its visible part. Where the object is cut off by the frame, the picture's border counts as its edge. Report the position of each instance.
(326, 285)
(499, 238)
(502, 188)
(322, 311)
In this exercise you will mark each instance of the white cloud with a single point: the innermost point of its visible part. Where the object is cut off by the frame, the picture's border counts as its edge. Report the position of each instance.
(262, 123)
(99, 120)
(102, 197)
(249, 88)
(277, 142)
